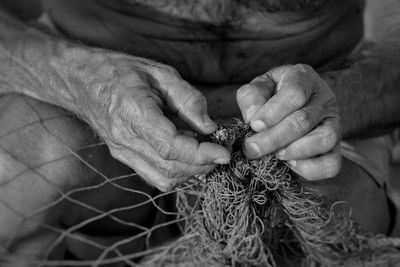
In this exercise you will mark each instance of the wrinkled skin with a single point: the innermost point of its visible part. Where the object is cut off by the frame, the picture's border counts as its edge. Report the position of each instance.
(149, 117)
(295, 114)
(137, 128)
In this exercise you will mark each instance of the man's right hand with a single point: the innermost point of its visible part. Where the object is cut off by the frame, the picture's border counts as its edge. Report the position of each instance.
(125, 100)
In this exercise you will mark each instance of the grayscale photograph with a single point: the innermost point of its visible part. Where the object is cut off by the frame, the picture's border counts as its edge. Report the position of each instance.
(199, 133)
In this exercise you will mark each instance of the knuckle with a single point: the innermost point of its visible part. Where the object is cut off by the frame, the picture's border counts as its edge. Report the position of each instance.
(303, 68)
(294, 95)
(120, 135)
(194, 97)
(164, 149)
(280, 70)
(170, 71)
(164, 72)
(264, 77)
(167, 169)
(171, 169)
(134, 78)
(330, 137)
(115, 132)
(301, 121)
(297, 99)
(193, 159)
(265, 80)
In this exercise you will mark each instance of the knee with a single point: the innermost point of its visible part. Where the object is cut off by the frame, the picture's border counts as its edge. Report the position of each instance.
(366, 200)
(42, 138)
(41, 153)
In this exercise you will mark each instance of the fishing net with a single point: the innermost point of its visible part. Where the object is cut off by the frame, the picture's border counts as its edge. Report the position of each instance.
(256, 213)
(246, 213)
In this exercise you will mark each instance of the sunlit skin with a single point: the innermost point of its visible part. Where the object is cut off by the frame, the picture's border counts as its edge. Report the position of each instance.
(147, 73)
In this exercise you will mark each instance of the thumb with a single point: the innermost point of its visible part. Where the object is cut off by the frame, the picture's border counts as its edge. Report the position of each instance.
(187, 102)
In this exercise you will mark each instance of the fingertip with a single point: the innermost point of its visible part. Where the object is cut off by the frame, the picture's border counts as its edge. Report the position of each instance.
(222, 155)
(210, 125)
(257, 125)
(315, 169)
(251, 150)
(300, 168)
(210, 153)
(281, 154)
(163, 189)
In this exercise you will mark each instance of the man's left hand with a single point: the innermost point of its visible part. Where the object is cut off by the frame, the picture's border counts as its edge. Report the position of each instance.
(294, 113)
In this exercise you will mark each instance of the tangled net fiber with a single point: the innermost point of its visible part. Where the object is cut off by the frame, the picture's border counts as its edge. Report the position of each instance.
(256, 213)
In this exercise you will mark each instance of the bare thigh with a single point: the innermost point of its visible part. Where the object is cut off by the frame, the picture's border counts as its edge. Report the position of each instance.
(60, 188)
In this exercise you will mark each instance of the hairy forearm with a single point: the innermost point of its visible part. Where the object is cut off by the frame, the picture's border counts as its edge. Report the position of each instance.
(368, 90)
(368, 87)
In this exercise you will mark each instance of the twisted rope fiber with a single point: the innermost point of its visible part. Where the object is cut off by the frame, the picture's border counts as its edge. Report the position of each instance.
(256, 213)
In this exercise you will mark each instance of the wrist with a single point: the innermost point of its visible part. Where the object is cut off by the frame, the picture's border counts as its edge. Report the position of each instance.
(335, 82)
(38, 68)
(85, 75)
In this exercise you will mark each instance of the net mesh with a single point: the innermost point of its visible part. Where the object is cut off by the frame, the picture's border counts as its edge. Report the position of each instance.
(67, 203)
(59, 206)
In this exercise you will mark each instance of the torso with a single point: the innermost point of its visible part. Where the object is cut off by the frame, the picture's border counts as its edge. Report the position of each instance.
(217, 45)
(217, 41)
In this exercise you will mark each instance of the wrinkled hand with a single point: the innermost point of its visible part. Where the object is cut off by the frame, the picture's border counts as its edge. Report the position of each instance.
(131, 96)
(294, 113)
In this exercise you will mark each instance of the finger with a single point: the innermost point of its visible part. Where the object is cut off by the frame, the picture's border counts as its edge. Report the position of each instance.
(187, 149)
(178, 122)
(252, 96)
(182, 98)
(327, 166)
(171, 168)
(163, 136)
(164, 174)
(294, 88)
(320, 140)
(287, 131)
(144, 169)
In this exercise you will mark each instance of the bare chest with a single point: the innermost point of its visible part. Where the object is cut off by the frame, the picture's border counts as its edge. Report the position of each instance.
(227, 12)
(217, 41)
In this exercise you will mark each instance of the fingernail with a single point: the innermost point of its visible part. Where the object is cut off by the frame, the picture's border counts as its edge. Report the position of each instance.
(222, 161)
(207, 121)
(292, 163)
(257, 125)
(281, 154)
(252, 150)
